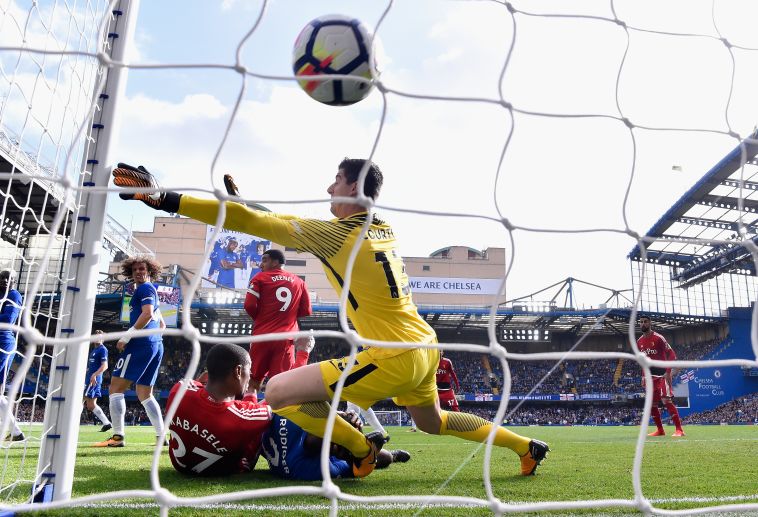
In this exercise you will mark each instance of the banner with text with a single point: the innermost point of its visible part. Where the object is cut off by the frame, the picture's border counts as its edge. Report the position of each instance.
(430, 284)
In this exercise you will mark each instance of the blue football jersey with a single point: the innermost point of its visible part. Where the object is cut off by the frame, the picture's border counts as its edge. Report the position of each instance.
(96, 358)
(282, 446)
(226, 276)
(145, 294)
(9, 312)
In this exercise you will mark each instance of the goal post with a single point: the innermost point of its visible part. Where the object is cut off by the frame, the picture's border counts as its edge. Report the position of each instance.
(57, 456)
(390, 417)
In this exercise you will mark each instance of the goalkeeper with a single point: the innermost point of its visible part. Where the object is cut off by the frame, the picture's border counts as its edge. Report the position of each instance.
(379, 305)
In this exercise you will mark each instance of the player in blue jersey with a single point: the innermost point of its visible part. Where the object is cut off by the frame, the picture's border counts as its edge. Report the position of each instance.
(140, 357)
(294, 454)
(230, 262)
(93, 382)
(10, 303)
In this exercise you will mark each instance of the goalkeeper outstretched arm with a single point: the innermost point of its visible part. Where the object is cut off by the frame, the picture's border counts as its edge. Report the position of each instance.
(283, 229)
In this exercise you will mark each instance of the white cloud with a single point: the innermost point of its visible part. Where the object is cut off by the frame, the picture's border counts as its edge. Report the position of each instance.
(148, 112)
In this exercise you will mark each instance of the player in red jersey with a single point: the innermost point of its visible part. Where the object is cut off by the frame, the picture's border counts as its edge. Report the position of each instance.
(656, 347)
(446, 373)
(275, 300)
(212, 434)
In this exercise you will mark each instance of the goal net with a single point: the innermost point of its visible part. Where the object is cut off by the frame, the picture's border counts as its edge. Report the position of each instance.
(545, 128)
(390, 417)
(53, 141)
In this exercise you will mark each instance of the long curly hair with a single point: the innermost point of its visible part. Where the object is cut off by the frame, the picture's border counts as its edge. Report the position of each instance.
(153, 266)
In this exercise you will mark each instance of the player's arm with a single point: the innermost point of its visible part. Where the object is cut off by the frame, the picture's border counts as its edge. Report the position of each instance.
(285, 230)
(304, 309)
(10, 312)
(99, 371)
(145, 316)
(670, 356)
(302, 234)
(142, 320)
(251, 298)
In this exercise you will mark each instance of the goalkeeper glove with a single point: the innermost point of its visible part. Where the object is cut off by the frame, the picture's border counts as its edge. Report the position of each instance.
(125, 175)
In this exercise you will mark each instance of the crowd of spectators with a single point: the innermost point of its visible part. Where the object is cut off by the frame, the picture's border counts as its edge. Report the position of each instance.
(27, 411)
(742, 410)
(479, 374)
(475, 374)
(585, 414)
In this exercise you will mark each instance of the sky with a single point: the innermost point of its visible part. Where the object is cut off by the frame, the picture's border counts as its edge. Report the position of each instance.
(561, 174)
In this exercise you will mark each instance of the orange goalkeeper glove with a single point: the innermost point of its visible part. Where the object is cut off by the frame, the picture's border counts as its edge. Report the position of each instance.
(125, 175)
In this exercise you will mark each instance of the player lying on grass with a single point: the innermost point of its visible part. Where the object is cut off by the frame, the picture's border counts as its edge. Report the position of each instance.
(379, 305)
(294, 454)
(214, 434)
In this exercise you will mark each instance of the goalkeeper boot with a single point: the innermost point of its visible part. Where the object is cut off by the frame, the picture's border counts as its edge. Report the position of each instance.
(400, 456)
(106, 427)
(114, 441)
(364, 466)
(658, 432)
(531, 460)
(678, 433)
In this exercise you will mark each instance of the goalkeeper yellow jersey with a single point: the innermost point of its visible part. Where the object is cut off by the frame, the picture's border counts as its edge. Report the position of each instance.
(379, 301)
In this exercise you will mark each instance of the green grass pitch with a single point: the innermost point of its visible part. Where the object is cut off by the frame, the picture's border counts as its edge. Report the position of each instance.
(712, 465)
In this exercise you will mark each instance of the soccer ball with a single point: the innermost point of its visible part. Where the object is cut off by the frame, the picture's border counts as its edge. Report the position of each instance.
(333, 44)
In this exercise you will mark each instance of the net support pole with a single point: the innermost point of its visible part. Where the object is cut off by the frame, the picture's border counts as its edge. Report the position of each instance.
(55, 468)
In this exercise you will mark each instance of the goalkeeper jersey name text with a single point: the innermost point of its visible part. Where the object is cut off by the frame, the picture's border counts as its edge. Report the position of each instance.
(380, 233)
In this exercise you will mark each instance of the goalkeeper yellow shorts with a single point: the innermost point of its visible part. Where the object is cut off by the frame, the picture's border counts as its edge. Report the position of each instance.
(409, 378)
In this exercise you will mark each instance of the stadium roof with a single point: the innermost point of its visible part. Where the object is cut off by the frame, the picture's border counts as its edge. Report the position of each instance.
(710, 210)
(34, 200)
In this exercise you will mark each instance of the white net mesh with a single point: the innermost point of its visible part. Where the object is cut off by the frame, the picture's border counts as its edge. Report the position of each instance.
(46, 101)
(47, 76)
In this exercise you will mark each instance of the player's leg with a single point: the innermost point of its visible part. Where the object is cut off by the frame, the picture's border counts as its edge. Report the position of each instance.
(281, 358)
(476, 429)
(454, 403)
(117, 407)
(100, 414)
(15, 434)
(674, 413)
(144, 389)
(260, 357)
(130, 367)
(6, 358)
(91, 394)
(423, 405)
(447, 400)
(654, 411)
(370, 417)
(300, 395)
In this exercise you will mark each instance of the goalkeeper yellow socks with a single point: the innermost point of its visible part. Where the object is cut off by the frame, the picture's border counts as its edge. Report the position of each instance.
(311, 416)
(476, 429)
